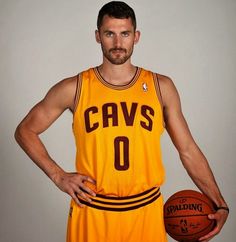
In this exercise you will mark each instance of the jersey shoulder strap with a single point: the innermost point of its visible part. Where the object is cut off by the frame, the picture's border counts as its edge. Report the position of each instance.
(77, 91)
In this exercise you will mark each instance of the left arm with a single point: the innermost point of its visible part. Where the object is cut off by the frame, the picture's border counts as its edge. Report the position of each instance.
(191, 156)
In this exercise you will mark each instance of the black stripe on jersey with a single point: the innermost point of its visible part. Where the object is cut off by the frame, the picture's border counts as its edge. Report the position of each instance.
(78, 91)
(122, 203)
(159, 95)
(125, 203)
(122, 209)
(118, 87)
(158, 88)
(127, 197)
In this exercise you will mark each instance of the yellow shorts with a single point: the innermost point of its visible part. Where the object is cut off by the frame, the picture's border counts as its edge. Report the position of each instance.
(137, 218)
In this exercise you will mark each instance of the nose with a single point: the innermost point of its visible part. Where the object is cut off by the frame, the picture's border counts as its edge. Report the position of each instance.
(117, 41)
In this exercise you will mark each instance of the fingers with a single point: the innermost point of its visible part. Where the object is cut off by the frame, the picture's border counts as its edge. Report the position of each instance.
(84, 187)
(87, 190)
(81, 191)
(220, 218)
(78, 196)
(89, 179)
(76, 199)
(81, 195)
(210, 235)
(74, 184)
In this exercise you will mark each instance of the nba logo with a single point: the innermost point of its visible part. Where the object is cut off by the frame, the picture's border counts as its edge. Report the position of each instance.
(145, 87)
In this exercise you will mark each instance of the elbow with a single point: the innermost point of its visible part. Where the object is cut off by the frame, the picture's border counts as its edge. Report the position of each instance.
(19, 133)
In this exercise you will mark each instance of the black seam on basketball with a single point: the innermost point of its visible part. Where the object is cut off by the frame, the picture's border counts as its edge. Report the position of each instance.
(191, 215)
(197, 222)
(211, 224)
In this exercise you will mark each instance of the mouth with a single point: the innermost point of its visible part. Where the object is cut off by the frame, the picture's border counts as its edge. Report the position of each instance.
(117, 50)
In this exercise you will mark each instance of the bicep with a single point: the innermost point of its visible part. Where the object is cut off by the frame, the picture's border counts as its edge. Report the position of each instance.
(40, 117)
(43, 114)
(178, 131)
(175, 122)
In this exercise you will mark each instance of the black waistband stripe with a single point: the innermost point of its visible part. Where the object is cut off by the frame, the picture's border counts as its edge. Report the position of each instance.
(124, 203)
(128, 197)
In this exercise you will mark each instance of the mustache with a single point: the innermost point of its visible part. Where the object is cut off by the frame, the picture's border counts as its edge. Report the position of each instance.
(117, 49)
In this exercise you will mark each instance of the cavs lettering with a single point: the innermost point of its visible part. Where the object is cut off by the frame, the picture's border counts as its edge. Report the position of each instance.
(110, 116)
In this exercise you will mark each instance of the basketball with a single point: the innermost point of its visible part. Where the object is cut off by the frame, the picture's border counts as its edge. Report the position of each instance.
(186, 216)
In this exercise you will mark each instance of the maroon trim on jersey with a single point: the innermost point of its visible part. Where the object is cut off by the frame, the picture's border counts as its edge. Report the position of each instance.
(123, 203)
(121, 209)
(77, 91)
(159, 94)
(126, 203)
(158, 88)
(118, 87)
(128, 197)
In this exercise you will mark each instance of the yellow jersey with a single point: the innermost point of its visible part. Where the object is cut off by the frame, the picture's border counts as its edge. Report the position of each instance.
(117, 132)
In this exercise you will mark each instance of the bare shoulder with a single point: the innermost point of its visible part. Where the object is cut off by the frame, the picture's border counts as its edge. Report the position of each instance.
(66, 85)
(63, 92)
(165, 81)
(168, 89)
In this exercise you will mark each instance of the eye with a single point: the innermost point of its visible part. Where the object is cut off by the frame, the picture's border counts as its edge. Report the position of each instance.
(125, 34)
(109, 34)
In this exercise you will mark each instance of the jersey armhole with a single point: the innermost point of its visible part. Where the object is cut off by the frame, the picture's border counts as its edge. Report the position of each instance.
(159, 95)
(77, 91)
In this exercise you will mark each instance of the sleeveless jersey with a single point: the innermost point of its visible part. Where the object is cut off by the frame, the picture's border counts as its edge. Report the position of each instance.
(117, 132)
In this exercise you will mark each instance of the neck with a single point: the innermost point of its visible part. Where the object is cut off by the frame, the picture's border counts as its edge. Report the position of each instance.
(117, 74)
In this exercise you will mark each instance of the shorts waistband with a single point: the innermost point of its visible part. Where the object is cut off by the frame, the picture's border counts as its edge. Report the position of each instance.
(120, 204)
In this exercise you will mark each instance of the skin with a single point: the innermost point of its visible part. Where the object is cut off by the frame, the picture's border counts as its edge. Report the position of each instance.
(117, 38)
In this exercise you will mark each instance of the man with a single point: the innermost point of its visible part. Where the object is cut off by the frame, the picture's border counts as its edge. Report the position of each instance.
(119, 113)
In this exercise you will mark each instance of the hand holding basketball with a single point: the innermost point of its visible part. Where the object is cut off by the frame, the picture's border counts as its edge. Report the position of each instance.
(190, 216)
(186, 216)
(220, 218)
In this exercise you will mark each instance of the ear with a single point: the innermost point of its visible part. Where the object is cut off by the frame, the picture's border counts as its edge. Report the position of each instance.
(136, 36)
(97, 36)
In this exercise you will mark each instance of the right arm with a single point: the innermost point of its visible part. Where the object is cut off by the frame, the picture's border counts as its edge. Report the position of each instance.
(41, 116)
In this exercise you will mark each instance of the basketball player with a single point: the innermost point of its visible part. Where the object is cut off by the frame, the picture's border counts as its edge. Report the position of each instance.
(119, 113)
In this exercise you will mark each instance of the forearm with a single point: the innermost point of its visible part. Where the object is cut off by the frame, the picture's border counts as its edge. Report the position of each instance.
(35, 149)
(71, 183)
(200, 172)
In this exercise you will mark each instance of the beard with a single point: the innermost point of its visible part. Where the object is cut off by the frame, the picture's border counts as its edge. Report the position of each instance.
(117, 56)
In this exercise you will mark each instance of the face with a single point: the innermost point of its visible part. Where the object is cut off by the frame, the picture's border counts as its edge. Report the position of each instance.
(117, 38)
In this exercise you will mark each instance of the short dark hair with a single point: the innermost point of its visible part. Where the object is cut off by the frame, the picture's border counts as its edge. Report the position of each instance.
(116, 9)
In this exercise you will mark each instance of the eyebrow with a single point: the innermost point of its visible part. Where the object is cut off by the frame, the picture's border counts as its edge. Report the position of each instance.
(126, 31)
(110, 31)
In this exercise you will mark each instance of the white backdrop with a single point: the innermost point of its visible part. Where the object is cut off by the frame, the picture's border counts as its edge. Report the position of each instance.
(42, 42)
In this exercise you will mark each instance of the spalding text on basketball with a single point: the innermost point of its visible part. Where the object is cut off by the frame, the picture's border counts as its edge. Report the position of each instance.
(193, 206)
